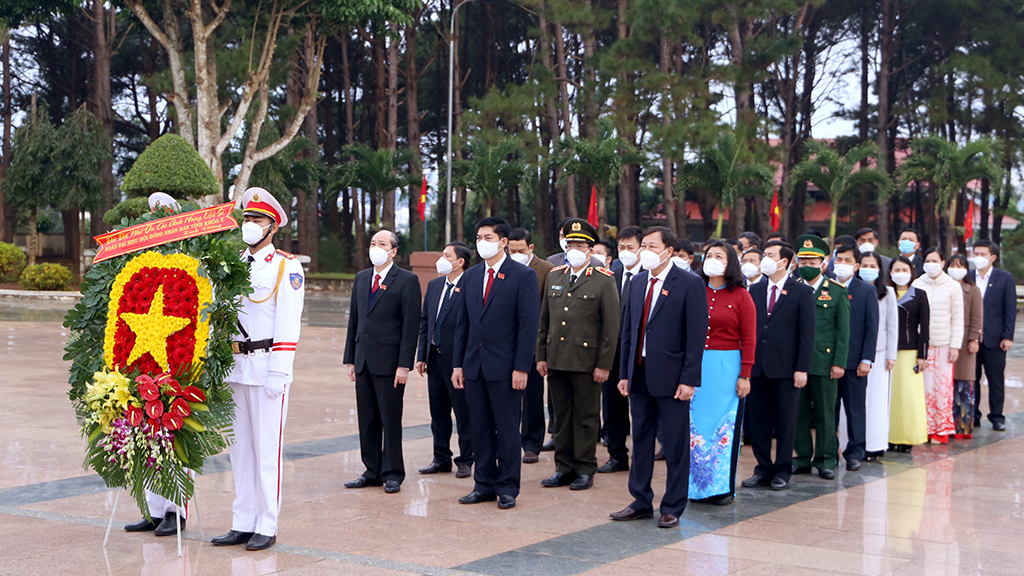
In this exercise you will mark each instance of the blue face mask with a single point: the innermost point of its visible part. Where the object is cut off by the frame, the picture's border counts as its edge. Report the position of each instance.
(869, 274)
(906, 246)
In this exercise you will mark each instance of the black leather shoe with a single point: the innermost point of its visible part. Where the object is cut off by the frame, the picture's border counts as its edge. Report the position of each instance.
(465, 471)
(659, 456)
(530, 458)
(613, 465)
(627, 514)
(755, 481)
(852, 465)
(801, 469)
(999, 426)
(827, 474)
(392, 487)
(720, 500)
(232, 538)
(260, 542)
(549, 447)
(363, 482)
(668, 521)
(582, 482)
(505, 502)
(141, 526)
(169, 526)
(557, 479)
(475, 497)
(434, 468)
(779, 484)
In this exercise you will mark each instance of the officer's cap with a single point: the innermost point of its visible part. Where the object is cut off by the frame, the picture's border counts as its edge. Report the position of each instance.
(811, 246)
(579, 230)
(258, 201)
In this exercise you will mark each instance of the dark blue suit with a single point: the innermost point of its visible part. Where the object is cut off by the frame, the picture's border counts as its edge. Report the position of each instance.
(1000, 316)
(615, 405)
(492, 340)
(444, 397)
(853, 388)
(674, 333)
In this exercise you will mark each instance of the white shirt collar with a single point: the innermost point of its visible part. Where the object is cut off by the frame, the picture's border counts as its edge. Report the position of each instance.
(260, 255)
(383, 273)
(497, 265)
(635, 269)
(985, 276)
(454, 282)
(664, 273)
(817, 283)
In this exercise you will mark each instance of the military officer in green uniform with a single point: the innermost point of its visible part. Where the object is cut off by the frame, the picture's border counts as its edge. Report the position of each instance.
(579, 327)
(831, 344)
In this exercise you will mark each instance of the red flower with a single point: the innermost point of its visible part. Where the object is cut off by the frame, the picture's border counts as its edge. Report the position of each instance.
(148, 391)
(172, 421)
(154, 423)
(144, 379)
(154, 409)
(180, 406)
(135, 415)
(193, 394)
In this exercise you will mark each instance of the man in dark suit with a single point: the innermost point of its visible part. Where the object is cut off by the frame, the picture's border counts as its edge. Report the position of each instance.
(785, 343)
(380, 350)
(495, 339)
(853, 385)
(520, 249)
(999, 295)
(909, 245)
(665, 315)
(437, 335)
(867, 241)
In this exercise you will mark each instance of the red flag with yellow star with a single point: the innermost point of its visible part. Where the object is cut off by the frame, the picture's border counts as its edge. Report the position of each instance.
(775, 212)
(423, 201)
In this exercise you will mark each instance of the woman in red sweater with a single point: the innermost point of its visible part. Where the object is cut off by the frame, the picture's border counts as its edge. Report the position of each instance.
(725, 378)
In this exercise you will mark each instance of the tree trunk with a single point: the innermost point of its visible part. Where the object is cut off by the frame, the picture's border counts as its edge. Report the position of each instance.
(569, 193)
(986, 191)
(886, 47)
(667, 193)
(101, 103)
(388, 198)
(412, 109)
(627, 196)
(863, 113)
(360, 256)
(33, 236)
(545, 233)
(7, 221)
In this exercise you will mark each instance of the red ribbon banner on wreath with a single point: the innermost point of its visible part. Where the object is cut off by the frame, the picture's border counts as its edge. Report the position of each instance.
(164, 230)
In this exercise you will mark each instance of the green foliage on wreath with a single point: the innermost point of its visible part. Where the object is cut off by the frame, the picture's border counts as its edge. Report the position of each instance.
(218, 257)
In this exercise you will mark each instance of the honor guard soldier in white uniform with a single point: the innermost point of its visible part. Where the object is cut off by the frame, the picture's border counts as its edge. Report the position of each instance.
(268, 331)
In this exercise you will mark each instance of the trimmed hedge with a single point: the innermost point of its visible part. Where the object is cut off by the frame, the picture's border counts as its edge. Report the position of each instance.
(46, 277)
(170, 165)
(12, 262)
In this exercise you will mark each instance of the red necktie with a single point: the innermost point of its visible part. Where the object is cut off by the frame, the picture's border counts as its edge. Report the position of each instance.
(490, 280)
(771, 301)
(643, 321)
(376, 283)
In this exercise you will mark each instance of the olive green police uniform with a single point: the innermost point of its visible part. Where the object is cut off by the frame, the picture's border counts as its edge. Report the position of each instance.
(831, 345)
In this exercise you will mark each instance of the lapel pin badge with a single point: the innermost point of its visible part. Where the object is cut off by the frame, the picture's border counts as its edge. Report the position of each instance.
(383, 287)
(501, 276)
(457, 289)
(664, 292)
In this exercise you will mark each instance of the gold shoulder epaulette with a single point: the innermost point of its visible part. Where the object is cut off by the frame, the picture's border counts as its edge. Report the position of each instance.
(606, 271)
(838, 283)
(286, 254)
(556, 268)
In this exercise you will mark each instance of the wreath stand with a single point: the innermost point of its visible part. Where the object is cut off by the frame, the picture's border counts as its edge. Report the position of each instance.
(177, 514)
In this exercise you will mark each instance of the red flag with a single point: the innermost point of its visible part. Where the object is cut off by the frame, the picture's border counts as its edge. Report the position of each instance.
(592, 212)
(423, 201)
(969, 221)
(775, 212)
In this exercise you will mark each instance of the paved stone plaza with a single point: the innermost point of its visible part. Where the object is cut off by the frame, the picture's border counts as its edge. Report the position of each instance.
(956, 509)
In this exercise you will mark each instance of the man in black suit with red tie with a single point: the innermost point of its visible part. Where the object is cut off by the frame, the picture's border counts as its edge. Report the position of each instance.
(495, 338)
(437, 336)
(380, 349)
(663, 322)
(785, 344)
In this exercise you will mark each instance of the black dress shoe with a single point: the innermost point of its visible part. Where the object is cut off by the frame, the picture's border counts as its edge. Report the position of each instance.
(557, 480)
(260, 542)
(530, 458)
(549, 446)
(755, 481)
(169, 526)
(232, 538)
(464, 471)
(613, 465)
(141, 526)
(582, 482)
(505, 502)
(363, 482)
(628, 513)
(827, 474)
(720, 500)
(852, 465)
(668, 521)
(659, 456)
(801, 469)
(874, 456)
(999, 426)
(779, 484)
(392, 487)
(434, 468)
(475, 497)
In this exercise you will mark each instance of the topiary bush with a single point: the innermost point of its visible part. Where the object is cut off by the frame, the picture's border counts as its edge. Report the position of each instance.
(131, 208)
(12, 262)
(46, 277)
(170, 165)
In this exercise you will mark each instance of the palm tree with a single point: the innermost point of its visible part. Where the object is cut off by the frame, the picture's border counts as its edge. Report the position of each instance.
(490, 170)
(721, 172)
(949, 168)
(837, 175)
(375, 171)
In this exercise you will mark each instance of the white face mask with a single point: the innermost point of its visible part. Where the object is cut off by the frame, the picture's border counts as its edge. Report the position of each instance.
(521, 258)
(253, 233)
(681, 263)
(576, 258)
(713, 268)
(487, 249)
(957, 273)
(750, 270)
(627, 258)
(769, 266)
(444, 267)
(866, 247)
(980, 262)
(563, 244)
(378, 256)
(901, 278)
(932, 269)
(650, 259)
(843, 271)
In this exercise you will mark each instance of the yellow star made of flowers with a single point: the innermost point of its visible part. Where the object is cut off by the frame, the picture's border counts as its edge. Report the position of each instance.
(152, 330)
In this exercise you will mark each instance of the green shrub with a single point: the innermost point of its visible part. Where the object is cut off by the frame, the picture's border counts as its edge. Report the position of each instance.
(1011, 257)
(170, 165)
(46, 277)
(131, 209)
(12, 262)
